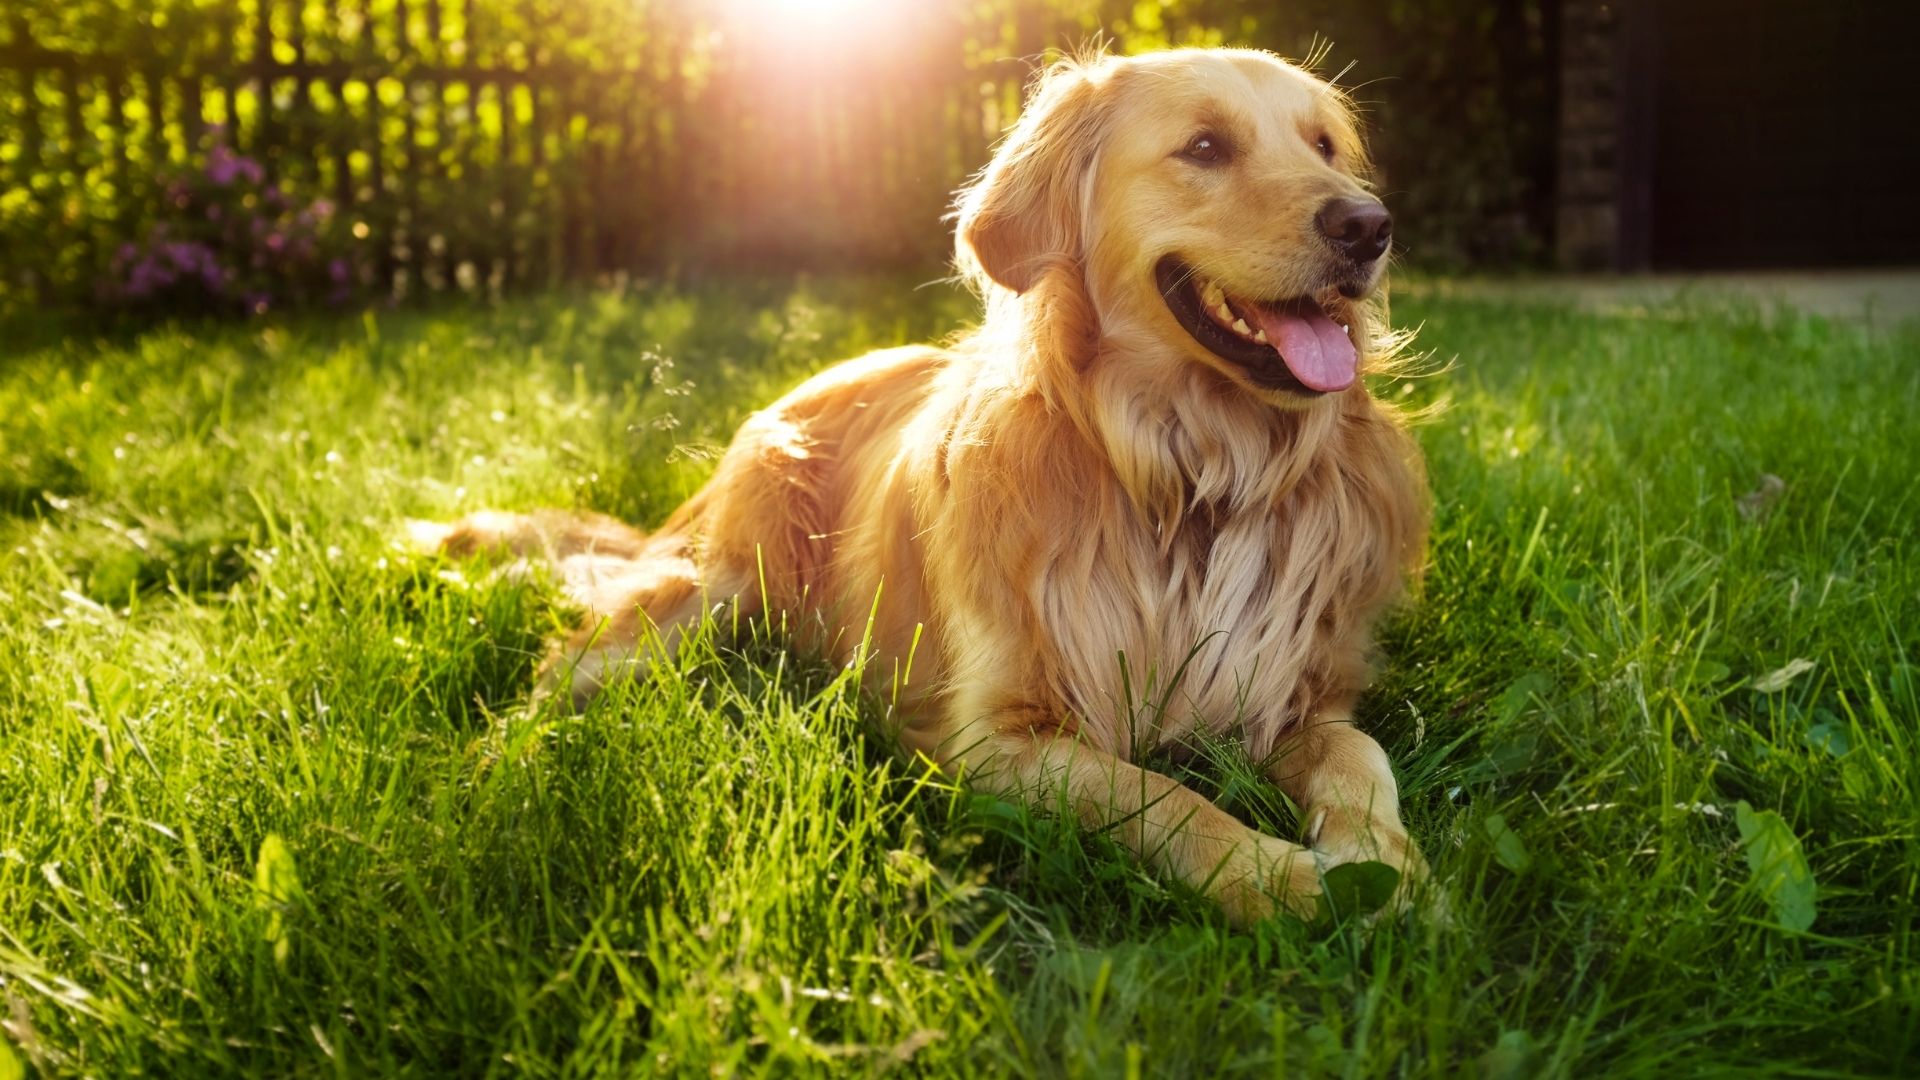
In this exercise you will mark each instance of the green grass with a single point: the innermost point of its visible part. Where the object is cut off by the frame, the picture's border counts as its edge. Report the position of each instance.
(207, 640)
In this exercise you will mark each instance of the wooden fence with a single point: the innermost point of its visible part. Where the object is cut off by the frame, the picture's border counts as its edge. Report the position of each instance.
(484, 143)
(499, 142)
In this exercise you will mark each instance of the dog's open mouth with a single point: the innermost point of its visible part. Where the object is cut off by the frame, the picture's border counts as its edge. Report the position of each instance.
(1290, 344)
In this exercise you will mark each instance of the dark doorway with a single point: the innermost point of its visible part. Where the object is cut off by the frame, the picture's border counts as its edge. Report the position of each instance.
(1783, 132)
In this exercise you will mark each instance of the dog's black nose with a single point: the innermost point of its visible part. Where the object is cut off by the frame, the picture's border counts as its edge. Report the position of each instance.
(1360, 228)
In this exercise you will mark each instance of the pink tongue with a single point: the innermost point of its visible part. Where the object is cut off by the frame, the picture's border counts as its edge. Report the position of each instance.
(1316, 350)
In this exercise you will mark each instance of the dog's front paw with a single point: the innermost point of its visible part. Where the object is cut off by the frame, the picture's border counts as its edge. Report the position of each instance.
(1341, 842)
(1268, 877)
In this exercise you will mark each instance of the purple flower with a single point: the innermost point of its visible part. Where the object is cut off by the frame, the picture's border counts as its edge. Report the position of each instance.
(190, 257)
(149, 274)
(222, 166)
(233, 235)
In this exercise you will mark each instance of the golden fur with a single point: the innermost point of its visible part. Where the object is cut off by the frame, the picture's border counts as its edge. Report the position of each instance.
(1076, 487)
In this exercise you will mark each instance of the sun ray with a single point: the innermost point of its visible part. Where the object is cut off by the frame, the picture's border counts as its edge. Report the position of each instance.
(809, 22)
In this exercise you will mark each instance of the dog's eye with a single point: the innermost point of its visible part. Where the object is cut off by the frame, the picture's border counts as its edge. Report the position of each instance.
(1206, 148)
(1325, 146)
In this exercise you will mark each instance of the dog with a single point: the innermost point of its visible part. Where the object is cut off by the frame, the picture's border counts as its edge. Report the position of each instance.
(1155, 463)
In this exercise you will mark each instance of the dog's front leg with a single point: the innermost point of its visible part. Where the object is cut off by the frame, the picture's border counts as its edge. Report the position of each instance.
(1170, 826)
(1344, 786)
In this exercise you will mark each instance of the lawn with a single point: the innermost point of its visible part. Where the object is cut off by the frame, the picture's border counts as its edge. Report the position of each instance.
(272, 802)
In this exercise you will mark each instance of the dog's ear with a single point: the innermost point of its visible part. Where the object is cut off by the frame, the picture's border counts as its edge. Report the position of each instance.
(1022, 216)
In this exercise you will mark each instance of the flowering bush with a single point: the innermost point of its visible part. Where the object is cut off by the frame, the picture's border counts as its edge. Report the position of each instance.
(229, 238)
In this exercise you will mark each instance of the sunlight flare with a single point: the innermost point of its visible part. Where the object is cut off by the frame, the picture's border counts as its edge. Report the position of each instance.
(817, 21)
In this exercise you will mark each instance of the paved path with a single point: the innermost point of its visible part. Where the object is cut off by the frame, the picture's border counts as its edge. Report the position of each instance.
(1879, 297)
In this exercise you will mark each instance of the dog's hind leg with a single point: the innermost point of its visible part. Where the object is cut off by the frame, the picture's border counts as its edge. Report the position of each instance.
(546, 535)
(640, 594)
(637, 619)
(624, 584)
(584, 549)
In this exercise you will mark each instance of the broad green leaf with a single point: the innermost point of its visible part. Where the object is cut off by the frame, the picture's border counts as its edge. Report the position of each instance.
(115, 577)
(1508, 850)
(1775, 681)
(1514, 753)
(1520, 694)
(112, 689)
(1832, 738)
(276, 885)
(10, 1066)
(1776, 866)
(1514, 1055)
(1709, 672)
(1357, 888)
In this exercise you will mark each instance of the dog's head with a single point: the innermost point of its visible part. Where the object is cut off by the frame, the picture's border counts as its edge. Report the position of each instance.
(1209, 204)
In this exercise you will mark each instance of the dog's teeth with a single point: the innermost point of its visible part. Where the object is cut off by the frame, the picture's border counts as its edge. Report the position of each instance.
(1260, 336)
(1240, 326)
(1348, 329)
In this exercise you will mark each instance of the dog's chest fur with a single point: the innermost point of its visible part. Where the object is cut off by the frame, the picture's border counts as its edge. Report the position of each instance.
(1216, 623)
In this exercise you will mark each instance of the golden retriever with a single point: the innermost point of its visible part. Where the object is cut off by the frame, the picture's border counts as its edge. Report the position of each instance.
(1154, 464)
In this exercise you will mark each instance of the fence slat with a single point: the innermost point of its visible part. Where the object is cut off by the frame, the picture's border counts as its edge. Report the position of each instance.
(193, 112)
(32, 152)
(118, 162)
(342, 153)
(433, 48)
(506, 186)
(158, 151)
(73, 151)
